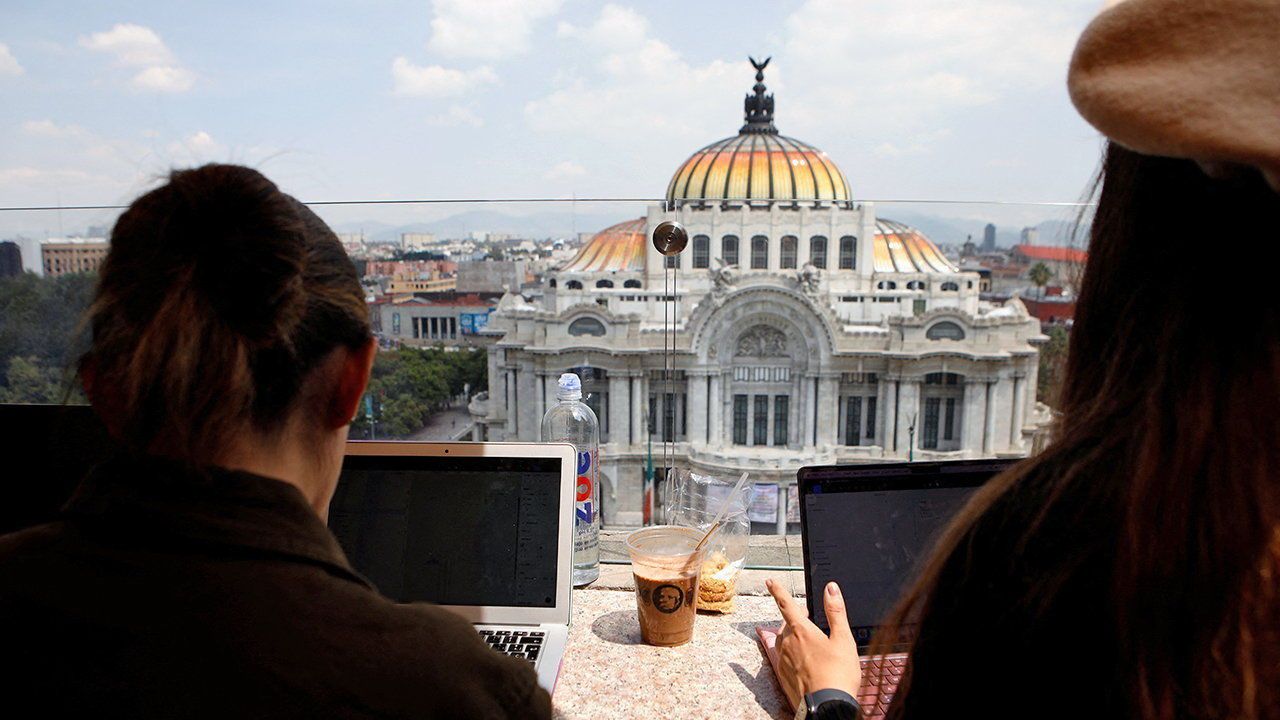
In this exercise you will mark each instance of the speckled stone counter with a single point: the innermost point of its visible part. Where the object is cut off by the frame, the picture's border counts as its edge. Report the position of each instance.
(722, 673)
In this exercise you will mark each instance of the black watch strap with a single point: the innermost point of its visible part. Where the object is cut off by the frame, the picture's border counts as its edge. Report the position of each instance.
(831, 703)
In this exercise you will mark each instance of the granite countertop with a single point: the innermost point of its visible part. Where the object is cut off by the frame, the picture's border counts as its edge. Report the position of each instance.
(721, 673)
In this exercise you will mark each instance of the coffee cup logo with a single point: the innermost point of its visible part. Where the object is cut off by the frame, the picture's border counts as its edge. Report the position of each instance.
(668, 598)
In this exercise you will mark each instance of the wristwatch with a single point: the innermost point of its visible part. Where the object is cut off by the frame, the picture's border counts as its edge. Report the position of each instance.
(820, 704)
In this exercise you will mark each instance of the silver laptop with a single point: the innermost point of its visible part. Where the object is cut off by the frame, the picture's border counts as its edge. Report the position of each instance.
(484, 530)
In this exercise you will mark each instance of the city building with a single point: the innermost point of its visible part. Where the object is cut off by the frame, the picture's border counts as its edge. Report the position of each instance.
(989, 238)
(806, 329)
(10, 259)
(1029, 236)
(1066, 264)
(414, 241)
(491, 276)
(66, 256)
(451, 319)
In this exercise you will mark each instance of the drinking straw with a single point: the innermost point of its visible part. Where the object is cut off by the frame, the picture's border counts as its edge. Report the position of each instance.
(719, 519)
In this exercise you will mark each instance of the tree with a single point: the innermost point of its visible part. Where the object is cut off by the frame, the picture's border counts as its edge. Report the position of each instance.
(1040, 274)
(1053, 365)
(42, 335)
(408, 385)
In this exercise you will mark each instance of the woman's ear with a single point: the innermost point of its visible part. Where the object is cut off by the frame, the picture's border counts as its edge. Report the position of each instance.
(352, 380)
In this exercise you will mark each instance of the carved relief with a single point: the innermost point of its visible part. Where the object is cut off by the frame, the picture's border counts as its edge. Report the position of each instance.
(762, 341)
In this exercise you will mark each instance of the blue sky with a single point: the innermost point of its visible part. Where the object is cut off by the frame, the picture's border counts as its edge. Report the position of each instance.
(934, 99)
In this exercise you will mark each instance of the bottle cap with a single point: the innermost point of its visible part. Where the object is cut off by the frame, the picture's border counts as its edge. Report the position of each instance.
(569, 387)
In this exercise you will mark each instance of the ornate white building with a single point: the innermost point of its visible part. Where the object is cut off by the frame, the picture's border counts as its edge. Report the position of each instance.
(807, 330)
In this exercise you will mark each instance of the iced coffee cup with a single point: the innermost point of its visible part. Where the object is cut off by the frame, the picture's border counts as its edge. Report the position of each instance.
(666, 572)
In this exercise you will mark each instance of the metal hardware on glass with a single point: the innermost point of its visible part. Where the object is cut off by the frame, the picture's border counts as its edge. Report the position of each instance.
(670, 238)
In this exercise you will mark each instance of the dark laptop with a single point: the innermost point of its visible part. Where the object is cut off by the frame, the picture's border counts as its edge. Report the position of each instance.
(869, 528)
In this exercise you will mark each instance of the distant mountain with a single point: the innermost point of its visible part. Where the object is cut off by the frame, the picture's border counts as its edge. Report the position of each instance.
(535, 225)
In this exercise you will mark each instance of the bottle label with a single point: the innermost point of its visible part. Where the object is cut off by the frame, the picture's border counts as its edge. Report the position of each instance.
(585, 509)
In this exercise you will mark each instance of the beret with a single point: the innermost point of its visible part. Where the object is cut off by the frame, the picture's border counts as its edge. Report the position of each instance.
(1196, 79)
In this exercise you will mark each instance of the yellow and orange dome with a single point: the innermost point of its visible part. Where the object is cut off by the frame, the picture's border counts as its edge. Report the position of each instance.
(617, 248)
(759, 166)
(899, 248)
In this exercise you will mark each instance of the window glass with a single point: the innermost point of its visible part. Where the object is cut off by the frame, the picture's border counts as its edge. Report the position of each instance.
(818, 252)
(788, 258)
(848, 250)
(701, 251)
(729, 249)
(759, 252)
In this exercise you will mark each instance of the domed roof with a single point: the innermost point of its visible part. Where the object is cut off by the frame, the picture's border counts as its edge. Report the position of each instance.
(758, 164)
(617, 248)
(903, 249)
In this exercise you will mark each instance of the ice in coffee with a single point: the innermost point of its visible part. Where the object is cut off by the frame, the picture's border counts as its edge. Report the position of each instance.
(666, 572)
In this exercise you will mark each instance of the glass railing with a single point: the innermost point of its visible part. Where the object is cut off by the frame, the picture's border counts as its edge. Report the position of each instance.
(869, 332)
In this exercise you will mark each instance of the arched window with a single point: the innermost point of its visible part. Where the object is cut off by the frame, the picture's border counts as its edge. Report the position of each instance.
(759, 252)
(573, 285)
(631, 284)
(701, 252)
(586, 326)
(915, 285)
(950, 287)
(818, 252)
(945, 330)
(848, 252)
(886, 285)
(553, 283)
(789, 243)
(604, 283)
(729, 249)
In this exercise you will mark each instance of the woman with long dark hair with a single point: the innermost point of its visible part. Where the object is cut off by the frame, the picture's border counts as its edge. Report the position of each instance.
(193, 576)
(1132, 569)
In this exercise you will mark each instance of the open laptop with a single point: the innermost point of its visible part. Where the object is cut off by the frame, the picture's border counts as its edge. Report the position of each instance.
(869, 528)
(484, 530)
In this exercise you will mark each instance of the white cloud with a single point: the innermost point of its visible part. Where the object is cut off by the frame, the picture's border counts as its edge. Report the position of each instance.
(455, 116)
(50, 129)
(637, 87)
(8, 63)
(136, 46)
(565, 169)
(164, 78)
(896, 66)
(197, 147)
(437, 81)
(486, 29)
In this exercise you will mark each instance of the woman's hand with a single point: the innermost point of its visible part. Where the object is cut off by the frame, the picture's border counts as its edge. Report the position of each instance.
(808, 660)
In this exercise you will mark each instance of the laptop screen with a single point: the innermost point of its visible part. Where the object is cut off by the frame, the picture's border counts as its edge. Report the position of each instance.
(870, 528)
(452, 530)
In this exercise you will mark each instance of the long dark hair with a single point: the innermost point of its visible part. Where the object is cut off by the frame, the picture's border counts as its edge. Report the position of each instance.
(220, 293)
(1169, 439)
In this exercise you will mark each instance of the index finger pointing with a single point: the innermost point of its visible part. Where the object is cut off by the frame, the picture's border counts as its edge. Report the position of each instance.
(793, 612)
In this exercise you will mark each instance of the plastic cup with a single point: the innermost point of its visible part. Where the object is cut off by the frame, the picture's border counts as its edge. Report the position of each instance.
(666, 573)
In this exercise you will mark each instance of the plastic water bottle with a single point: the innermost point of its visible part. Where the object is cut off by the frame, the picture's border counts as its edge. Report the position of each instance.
(571, 421)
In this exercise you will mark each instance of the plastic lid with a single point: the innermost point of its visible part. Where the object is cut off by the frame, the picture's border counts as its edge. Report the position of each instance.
(569, 387)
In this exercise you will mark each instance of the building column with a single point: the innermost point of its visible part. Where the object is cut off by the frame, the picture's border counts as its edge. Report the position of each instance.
(889, 413)
(696, 415)
(828, 410)
(908, 415)
(715, 411)
(639, 401)
(973, 427)
(1019, 403)
(807, 385)
(989, 419)
(619, 408)
(543, 401)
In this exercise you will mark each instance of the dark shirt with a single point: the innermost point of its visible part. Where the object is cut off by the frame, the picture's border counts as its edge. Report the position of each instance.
(162, 592)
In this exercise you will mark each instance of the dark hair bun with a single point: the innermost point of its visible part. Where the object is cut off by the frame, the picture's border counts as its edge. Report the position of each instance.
(242, 240)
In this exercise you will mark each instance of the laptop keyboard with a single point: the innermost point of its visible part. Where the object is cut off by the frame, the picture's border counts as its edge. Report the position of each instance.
(890, 667)
(523, 644)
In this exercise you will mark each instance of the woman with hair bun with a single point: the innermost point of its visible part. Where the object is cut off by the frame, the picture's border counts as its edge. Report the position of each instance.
(193, 575)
